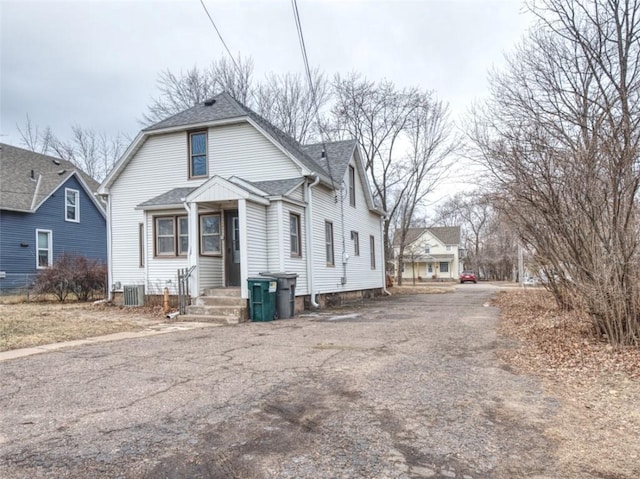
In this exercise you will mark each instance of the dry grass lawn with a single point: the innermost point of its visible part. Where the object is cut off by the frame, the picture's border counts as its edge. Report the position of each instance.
(598, 423)
(28, 324)
(422, 288)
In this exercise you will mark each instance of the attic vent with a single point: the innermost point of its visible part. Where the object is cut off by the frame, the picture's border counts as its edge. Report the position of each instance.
(56, 162)
(33, 175)
(62, 172)
(209, 102)
(323, 154)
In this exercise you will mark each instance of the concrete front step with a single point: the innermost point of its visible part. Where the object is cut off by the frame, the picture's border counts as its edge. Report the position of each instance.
(233, 292)
(231, 301)
(217, 310)
(201, 318)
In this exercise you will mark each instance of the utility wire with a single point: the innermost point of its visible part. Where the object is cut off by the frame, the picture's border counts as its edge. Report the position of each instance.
(220, 36)
(314, 99)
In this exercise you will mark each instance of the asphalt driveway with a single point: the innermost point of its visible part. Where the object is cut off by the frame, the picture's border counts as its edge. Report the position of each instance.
(404, 387)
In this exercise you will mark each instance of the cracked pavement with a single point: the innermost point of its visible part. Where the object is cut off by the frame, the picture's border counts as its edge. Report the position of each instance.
(401, 387)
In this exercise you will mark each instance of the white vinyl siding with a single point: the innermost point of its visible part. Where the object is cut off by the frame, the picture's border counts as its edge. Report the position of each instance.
(240, 150)
(357, 271)
(297, 264)
(256, 239)
(211, 272)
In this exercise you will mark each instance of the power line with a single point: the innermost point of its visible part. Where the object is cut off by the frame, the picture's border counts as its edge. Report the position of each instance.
(314, 99)
(220, 35)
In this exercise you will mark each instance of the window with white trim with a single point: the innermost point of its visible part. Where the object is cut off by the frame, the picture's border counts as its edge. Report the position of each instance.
(210, 242)
(444, 267)
(356, 243)
(372, 248)
(71, 205)
(328, 241)
(294, 235)
(44, 247)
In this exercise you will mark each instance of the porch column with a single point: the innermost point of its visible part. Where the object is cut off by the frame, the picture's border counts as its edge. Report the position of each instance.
(192, 256)
(244, 248)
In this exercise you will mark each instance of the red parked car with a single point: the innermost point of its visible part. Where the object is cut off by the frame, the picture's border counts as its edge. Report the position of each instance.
(468, 276)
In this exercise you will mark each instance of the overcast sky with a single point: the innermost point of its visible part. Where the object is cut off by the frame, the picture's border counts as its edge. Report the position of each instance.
(95, 63)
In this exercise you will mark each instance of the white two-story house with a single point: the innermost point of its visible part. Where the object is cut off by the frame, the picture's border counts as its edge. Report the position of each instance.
(430, 253)
(220, 191)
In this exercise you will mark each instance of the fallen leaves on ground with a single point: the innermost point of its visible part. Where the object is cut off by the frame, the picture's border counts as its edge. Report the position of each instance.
(596, 427)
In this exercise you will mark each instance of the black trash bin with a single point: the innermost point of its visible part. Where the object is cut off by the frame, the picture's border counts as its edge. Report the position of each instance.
(286, 293)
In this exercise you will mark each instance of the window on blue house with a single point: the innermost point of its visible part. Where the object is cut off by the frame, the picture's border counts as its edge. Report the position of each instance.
(198, 154)
(72, 205)
(44, 246)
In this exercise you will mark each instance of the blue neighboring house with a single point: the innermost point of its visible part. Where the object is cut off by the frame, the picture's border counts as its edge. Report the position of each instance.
(47, 207)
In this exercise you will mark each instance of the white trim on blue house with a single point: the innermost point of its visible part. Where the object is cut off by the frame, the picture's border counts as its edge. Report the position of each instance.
(75, 206)
(49, 248)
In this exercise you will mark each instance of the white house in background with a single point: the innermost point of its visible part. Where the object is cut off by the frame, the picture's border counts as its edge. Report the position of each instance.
(218, 189)
(430, 253)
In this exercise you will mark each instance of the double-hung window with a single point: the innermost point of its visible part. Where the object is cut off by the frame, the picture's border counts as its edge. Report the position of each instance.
(171, 236)
(328, 235)
(356, 243)
(294, 235)
(444, 267)
(71, 205)
(198, 154)
(44, 243)
(210, 234)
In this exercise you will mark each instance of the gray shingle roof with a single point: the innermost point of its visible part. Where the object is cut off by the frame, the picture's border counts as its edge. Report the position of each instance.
(338, 154)
(225, 107)
(277, 187)
(18, 191)
(171, 197)
(446, 234)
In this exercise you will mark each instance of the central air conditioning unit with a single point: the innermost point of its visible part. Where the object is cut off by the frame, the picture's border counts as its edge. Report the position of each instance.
(134, 295)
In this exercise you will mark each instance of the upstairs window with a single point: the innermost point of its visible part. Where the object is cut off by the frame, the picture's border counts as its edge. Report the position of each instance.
(72, 205)
(294, 235)
(352, 185)
(427, 249)
(198, 154)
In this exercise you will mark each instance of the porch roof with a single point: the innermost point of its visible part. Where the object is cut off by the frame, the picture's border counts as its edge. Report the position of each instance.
(278, 187)
(171, 198)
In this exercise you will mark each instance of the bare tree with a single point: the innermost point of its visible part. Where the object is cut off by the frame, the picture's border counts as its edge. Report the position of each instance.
(430, 147)
(378, 116)
(286, 101)
(93, 152)
(561, 137)
(35, 139)
(181, 91)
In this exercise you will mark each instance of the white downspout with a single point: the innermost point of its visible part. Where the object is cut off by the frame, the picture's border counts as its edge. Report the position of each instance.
(309, 230)
(109, 250)
(384, 260)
